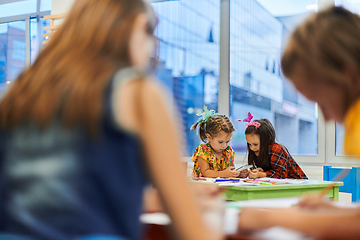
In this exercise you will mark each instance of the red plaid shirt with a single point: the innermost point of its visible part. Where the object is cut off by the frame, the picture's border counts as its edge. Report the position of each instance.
(282, 165)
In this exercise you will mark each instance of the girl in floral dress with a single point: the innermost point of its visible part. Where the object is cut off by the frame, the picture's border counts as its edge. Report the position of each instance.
(214, 157)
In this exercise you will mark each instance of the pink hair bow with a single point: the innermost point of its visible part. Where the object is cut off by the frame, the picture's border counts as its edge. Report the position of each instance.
(249, 123)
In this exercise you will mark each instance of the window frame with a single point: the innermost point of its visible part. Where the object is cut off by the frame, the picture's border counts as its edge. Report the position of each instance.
(331, 158)
(26, 17)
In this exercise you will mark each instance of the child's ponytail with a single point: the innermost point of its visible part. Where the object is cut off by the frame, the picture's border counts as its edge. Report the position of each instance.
(202, 131)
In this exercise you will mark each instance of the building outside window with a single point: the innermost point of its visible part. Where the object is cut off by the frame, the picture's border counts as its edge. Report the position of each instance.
(256, 83)
(20, 20)
(188, 50)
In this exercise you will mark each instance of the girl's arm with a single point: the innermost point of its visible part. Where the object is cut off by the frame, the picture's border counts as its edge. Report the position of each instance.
(158, 133)
(319, 224)
(278, 163)
(207, 172)
(242, 174)
(257, 173)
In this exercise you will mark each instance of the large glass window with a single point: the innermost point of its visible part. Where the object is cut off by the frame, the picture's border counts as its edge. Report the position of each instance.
(12, 51)
(188, 50)
(15, 33)
(46, 5)
(339, 142)
(18, 8)
(36, 36)
(256, 83)
(354, 6)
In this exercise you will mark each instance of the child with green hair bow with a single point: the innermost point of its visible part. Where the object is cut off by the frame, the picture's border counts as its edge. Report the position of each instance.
(214, 157)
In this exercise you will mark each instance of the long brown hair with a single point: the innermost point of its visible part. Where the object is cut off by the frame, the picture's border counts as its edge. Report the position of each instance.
(213, 126)
(267, 135)
(71, 73)
(324, 45)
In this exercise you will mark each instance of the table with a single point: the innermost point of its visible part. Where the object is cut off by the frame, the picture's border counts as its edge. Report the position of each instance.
(163, 232)
(240, 193)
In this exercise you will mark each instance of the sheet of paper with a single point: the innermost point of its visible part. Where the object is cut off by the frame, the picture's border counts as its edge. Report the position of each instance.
(241, 183)
(266, 203)
(282, 181)
(279, 233)
(155, 218)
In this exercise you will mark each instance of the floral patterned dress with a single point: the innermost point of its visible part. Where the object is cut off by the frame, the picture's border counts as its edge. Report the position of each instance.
(206, 152)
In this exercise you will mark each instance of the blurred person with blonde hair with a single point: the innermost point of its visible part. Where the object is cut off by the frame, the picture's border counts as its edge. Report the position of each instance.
(322, 60)
(79, 133)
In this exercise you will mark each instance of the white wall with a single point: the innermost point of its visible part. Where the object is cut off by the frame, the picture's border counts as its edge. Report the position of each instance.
(61, 6)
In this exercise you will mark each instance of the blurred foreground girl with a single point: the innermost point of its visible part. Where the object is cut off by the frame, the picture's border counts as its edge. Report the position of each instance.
(79, 134)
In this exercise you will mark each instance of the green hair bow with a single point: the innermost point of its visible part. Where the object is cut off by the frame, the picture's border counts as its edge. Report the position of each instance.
(206, 115)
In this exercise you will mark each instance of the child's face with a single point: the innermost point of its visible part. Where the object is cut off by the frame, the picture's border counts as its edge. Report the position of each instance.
(332, 100)
(253, 141)
(220, 141)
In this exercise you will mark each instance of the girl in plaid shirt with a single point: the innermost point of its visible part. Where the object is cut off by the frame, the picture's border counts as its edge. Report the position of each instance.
(269, 158)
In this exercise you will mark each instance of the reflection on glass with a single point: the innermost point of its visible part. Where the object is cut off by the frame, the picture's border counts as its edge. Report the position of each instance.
(46, 5)
(188, 50)
(36, 36)
(339, 139)
(256, 83)
(18, 8)
(12, 51)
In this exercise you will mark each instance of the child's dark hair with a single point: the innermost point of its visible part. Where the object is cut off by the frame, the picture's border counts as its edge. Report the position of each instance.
(213, 125)
(267, 135)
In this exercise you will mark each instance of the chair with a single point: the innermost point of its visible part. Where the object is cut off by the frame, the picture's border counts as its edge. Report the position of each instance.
(53, 27)
(351, 181)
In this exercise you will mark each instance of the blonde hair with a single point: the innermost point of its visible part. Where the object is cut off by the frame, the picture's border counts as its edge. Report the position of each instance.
(70, 75)
(324, 46)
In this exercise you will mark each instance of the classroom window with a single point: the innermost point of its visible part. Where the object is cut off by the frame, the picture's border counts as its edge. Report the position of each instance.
(14, 55)
(12, 51)
(46, 5)
(256, 82)
(339, 139)
(36, 36)
(188, 51)
(18, 8)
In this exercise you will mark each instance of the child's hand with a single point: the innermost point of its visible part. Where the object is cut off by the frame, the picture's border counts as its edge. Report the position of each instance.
(251, 219)
(254, 173)
(314, 201)
(230, 172)
(244, 174)
(260, 169)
